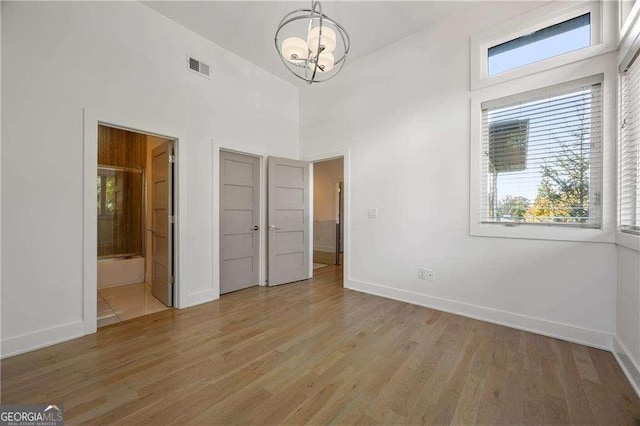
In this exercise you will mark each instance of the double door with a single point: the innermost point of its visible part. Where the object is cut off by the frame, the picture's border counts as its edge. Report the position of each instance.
(288, 218)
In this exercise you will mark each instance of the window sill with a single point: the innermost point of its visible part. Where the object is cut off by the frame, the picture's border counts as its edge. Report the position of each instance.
(542, 232)
(628, 240)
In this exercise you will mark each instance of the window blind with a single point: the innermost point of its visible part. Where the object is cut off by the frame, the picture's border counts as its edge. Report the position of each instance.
(542, 156)
(629, 152)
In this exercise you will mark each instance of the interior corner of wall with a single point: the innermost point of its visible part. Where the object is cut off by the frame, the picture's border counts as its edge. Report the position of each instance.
(627, 363)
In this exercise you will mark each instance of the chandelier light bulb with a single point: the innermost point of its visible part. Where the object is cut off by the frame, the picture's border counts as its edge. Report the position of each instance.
(315, 47)
(328, 39)
(326, 62)
(295, 49)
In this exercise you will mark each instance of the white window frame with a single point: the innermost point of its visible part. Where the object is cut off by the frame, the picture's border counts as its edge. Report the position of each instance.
(629, 47)
(604, 18)
(604, 234)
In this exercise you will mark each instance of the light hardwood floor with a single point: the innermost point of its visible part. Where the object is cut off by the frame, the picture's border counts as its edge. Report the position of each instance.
(326, 258)
(313, 352)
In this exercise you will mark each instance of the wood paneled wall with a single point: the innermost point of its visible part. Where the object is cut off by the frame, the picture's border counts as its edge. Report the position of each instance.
(117, 147)
(122, 230)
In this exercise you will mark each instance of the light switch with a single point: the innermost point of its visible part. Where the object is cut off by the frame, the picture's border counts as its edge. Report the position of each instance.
(372, 213)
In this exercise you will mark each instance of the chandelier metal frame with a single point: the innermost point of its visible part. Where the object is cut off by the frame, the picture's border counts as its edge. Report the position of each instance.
(312, 72)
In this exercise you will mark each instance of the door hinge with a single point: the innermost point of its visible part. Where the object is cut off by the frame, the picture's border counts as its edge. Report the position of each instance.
(172, 219)
(173, 279)
(172, 158)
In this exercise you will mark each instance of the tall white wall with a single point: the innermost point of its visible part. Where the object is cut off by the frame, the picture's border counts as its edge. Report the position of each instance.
(60, 57)
(1, 30)
(403, 112)
(627, 332)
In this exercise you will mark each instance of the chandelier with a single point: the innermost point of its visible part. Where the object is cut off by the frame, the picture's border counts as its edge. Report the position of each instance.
(322, 55)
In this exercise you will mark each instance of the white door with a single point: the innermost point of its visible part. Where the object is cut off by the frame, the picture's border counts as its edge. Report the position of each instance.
(162, 218)
(289, 220)
(239, 218)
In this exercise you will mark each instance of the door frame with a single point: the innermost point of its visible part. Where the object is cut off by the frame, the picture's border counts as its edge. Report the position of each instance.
(262, 214)
(336, 206)
(317, 158)
(146, 125)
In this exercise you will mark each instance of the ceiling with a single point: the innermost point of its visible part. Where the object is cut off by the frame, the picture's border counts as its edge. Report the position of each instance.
(247, 28)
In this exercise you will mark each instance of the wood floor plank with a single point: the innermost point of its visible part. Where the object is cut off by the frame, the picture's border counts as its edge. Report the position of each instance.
(577, 402)
(469, 402)
(492, 410)
(314, 352)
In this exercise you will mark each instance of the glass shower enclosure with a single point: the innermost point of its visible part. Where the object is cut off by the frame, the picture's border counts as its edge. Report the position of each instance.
(120, 202)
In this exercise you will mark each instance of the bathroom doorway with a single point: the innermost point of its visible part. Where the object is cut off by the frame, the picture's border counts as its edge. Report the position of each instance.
(135, 238)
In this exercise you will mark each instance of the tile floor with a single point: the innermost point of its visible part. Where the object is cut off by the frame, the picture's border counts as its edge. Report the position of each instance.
(121, 303)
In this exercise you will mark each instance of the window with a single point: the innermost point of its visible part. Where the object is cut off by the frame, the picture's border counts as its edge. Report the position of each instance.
(106, 191)
(629, 151)
(554, 40)
(541, 157)
(547, 37)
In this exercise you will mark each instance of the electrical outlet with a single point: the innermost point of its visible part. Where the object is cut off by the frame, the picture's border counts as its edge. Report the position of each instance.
(422, 274)
(372, 213)
(426, 274)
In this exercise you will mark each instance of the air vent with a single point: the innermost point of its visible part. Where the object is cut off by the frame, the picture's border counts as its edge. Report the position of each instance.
(198, 66)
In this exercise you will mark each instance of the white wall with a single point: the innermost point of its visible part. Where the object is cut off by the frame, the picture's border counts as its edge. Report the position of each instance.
(404, 114)
(627, 332)
(60, 57)
(1, 132)
(325, 176)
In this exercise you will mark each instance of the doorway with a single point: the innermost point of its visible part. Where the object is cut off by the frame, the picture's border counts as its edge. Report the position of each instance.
(239, 221)
(328, 215)
(135, 224)
(290, 217)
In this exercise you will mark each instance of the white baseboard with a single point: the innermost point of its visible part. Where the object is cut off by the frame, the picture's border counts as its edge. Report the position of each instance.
(324, 249)
(627, 364)
(28, 342)
(200, 297)
(39, 339)
(571, 333)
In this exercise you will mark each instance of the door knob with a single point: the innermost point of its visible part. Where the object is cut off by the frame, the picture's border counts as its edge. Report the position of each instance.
(151, 229)
(254, 228)
(273, 228)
